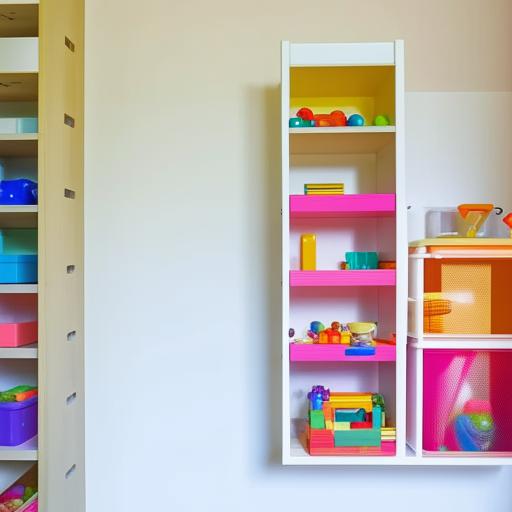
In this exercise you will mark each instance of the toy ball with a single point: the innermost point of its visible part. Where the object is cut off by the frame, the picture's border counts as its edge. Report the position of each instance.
(291, 333)
(316, 326)
(296, 122)
(339, 118)
(355, 120)
(381, 120)
(305, 113)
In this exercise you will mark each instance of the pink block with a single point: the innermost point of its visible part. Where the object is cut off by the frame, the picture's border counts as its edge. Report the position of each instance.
(18, 334)
(343, 278)
(353, 205)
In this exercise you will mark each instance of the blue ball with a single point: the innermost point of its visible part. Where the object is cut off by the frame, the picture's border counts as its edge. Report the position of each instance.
(355, 120)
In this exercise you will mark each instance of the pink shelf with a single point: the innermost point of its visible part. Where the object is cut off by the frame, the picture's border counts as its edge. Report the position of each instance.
(342, 278)
(327, 353)
(355, 205)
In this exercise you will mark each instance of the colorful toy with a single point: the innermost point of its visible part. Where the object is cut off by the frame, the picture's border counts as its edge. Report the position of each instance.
(362, 333)
(17, 496)
(508, 221)
(475, 216)
(355, 120)
(474, 429)
(291, 332)
(308, 252)
(360, 351)
(339, 421)
(381, 120)
(18, 394)
(306, 115)
(297, 122)
(361, 260)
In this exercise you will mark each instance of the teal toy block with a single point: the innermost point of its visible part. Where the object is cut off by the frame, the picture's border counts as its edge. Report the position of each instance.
(359, 437)
(316, 419)
(349, 415)
(377, 417)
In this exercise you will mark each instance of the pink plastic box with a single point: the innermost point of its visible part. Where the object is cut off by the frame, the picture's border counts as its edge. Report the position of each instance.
(467, 402)
(18, 319)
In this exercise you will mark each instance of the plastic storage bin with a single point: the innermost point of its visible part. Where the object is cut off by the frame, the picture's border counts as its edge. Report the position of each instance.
(16, 192)
(468, 296)
(18, 269)
(18, 256)
(466, 402)
(18, 422)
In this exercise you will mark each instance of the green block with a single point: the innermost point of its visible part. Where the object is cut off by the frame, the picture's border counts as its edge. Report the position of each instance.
(358, 437)
(316, 419)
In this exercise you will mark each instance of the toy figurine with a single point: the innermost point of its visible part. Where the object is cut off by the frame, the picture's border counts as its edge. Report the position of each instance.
(317, 396)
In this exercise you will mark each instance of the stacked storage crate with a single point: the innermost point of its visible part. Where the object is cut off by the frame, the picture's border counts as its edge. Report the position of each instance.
(460, 336)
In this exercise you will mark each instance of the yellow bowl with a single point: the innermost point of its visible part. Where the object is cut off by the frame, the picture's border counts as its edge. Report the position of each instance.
(361, 327)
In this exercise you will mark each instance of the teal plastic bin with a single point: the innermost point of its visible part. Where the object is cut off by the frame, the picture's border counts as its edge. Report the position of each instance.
(18, 256)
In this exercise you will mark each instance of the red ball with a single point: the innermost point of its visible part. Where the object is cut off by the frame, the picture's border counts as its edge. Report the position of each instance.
(339, 118)
(305, 113)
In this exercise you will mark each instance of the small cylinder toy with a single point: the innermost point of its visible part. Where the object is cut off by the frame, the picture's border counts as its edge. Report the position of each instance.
(308, 252)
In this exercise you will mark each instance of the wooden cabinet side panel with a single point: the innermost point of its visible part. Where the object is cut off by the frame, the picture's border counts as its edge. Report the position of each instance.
(61, 349)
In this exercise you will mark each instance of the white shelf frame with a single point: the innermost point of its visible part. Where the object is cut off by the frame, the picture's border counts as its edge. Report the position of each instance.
(359, 54)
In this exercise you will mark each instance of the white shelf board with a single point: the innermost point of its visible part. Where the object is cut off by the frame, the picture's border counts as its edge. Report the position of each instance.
(15, 208)
(18, 288)
(340, 140)
(299, 457)
(25, 352)
(25, 451)
(11, 471)
(462, 342)
(344, 130)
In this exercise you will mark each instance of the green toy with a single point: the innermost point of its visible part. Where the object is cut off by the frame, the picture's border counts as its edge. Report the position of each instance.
(381, 120)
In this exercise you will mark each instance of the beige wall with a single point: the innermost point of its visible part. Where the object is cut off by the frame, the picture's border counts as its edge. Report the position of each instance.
(183, 238)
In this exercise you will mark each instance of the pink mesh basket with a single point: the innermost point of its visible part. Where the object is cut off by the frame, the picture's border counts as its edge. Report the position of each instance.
(467, 401)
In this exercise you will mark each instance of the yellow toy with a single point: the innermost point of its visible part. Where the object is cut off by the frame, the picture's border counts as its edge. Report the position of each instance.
(308, 252)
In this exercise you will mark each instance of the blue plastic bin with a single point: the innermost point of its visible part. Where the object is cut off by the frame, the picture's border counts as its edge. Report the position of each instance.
(21, 191)
(15, 268)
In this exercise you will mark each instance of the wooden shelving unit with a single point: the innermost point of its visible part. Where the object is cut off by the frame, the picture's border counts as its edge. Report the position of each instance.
(41, 69)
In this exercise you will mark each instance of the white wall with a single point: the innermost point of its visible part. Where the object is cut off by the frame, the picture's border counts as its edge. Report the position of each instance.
(182, 227)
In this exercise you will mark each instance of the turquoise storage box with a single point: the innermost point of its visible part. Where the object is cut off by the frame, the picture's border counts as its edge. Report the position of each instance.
(18, 268)
(362, 260)
(18, 256)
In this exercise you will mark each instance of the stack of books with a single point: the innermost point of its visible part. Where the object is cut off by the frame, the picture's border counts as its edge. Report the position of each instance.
(324, 189)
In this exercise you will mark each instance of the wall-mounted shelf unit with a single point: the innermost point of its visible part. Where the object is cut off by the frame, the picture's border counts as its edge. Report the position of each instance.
(369, 216)
(41, 76)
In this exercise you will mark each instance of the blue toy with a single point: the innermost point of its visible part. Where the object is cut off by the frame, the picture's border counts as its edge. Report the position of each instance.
(20, 191)
(355, 120)
(360, 351)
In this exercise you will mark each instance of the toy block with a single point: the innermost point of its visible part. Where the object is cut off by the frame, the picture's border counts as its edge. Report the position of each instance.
(342, 425)
(349, 415)
(360, 351)
(308, 252)
(362, 437)
(351, 401)
(328, 414)
(377, 417)
(321, 439)
(316, 419)
(345, 338)
(329, 425)
(360, 424)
